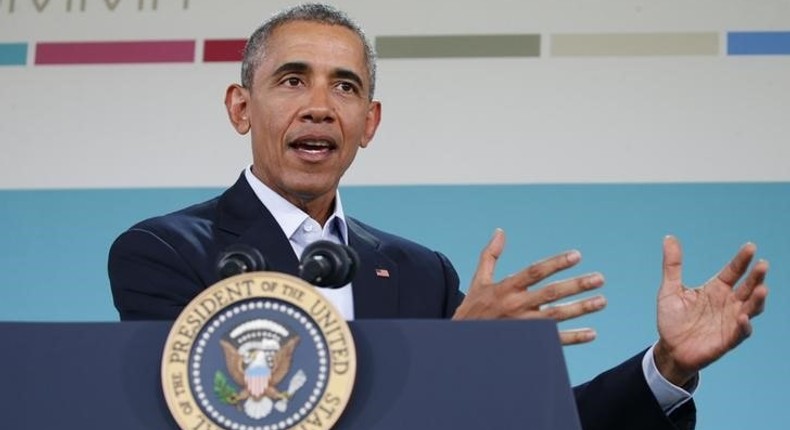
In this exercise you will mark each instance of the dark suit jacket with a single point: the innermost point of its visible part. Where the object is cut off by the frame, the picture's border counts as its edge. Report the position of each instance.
(157, 266)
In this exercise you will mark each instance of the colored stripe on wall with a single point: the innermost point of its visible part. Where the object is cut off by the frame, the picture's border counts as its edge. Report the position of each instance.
(758, 43)
(13, 54)
(457, 46)
(223, 50)
(155, 51)
(461, 46)
(634, 44)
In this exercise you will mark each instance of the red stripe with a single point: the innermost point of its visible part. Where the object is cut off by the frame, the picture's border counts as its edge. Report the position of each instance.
(223, 50)
(155, 51)
(256, 384)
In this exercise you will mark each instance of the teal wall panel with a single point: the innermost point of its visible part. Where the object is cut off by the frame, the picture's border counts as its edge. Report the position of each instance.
(53, 250)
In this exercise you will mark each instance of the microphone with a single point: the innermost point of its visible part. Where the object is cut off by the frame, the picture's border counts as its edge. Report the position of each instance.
(328, 264)
(237, 259)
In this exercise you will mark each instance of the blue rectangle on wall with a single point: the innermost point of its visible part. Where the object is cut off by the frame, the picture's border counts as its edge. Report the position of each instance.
(13, 54)
(758, 43)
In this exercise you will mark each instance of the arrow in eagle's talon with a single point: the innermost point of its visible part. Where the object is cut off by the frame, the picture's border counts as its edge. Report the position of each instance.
(297, 381)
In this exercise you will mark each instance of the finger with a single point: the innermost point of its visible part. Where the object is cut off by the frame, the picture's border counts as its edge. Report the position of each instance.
(577, 336)
(755, 304)
(489, 257)
(733, 271)
(562, 289)
(571, 310)
(756, 277)
(746, 327)
(672, 266)
(542, 270)
(744, 331)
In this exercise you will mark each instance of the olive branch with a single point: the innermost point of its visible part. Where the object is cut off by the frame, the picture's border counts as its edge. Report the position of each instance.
(224, 390)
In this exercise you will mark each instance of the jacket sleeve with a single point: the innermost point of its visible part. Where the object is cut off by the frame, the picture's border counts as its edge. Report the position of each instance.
(149, 279)
(620, 399)
(453, 295)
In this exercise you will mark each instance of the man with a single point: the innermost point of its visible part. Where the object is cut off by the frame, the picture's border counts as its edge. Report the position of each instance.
(306, 98)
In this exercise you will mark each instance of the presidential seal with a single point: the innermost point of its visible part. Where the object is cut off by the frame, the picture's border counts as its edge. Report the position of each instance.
(258, 351)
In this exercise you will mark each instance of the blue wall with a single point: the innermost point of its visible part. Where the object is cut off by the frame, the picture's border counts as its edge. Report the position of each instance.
(54, 244)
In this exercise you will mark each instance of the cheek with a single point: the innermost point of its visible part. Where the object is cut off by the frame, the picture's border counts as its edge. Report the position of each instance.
(273, 119)
(348, 157)
(267, 135)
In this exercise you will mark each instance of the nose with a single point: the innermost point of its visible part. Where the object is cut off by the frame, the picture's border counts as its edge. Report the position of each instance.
(318, 108)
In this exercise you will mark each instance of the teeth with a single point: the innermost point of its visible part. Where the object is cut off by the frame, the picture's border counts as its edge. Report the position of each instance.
(320, 143)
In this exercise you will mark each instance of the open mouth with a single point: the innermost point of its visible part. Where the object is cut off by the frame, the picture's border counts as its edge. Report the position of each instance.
(312, 146)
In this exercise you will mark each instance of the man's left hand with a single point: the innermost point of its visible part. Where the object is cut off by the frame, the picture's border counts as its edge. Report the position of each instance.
(698, 326)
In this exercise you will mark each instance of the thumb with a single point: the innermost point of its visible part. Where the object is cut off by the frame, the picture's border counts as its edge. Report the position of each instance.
(672, 266)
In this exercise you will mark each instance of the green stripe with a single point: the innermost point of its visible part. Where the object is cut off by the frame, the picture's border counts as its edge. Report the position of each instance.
(460, 46)
(634, 44)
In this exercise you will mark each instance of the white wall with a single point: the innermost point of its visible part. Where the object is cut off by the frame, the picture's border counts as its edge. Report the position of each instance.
(527, 120)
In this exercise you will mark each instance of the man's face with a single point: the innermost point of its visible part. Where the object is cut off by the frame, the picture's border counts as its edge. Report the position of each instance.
(308, 110)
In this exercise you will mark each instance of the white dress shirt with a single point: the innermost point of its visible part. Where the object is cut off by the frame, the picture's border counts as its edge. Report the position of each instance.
(669, 395)
(302, 230)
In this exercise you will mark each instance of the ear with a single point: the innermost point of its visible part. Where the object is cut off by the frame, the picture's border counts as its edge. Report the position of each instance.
(236, 103)
(371, 123)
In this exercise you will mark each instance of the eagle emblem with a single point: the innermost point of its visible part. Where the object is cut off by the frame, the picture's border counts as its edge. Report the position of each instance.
(258, 357)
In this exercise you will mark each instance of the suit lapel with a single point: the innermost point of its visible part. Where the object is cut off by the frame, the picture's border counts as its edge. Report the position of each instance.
(375, 286)
(243, 215)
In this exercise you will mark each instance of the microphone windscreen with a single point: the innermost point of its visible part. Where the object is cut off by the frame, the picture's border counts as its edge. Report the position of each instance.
(239, 258)
(328, 264)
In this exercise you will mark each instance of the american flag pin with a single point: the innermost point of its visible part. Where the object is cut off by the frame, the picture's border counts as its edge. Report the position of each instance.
(382, 273)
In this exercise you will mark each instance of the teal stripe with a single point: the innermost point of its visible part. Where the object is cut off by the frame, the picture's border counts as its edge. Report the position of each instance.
(53, 250)
(67, 233)
(71, 231)
(13, 54)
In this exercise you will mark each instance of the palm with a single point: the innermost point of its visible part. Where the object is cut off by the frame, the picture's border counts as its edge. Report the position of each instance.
(697, 326)
(700, 324)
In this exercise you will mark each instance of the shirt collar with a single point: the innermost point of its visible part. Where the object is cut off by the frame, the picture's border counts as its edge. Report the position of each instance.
(290, 217)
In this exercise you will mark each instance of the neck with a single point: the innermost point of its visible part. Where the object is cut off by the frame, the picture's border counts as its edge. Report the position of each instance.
(318, 206)
(319, 209)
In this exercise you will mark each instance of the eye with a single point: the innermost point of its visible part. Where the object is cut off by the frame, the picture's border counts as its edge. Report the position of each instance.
(292, 81)
(347, 87)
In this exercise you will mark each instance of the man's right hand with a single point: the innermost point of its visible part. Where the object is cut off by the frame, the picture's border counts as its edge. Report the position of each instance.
(517, 296)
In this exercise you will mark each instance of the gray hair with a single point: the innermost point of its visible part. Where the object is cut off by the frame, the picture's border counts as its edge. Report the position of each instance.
(310, 12)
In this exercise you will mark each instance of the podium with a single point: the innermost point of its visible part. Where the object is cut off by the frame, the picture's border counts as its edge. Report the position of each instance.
(411, 374)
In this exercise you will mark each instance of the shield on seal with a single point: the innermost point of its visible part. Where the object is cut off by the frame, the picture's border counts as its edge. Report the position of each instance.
(257, 378)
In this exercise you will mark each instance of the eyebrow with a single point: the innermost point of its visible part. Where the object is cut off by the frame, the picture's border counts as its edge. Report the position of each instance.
(293, 67)
(299, 67)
